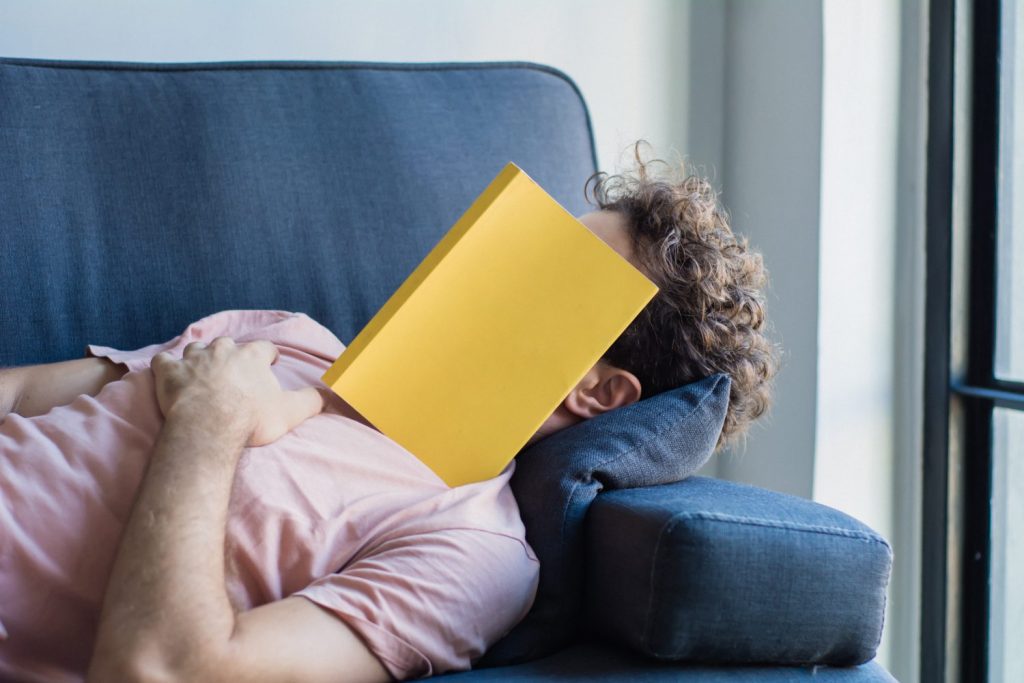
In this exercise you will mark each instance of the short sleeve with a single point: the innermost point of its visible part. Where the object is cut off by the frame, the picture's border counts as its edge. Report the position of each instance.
(432, 602)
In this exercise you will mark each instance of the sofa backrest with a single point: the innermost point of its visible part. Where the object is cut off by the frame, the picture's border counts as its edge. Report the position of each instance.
(136, 198)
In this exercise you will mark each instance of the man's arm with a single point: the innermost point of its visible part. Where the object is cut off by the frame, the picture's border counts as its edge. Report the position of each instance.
(166, 614)
(31, 390)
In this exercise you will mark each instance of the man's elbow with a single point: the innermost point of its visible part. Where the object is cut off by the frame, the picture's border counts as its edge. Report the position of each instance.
(130, 669)
(155, 665)
(10, 390)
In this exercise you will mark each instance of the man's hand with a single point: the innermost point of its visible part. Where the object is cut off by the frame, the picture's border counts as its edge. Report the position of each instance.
(233, 385)
(166, 613)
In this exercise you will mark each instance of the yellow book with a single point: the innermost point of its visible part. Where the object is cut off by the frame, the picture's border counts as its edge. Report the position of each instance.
(490, 332)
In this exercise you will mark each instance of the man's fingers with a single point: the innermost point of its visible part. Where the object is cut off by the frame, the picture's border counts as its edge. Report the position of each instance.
(191, 348)
(160, 361)
(220, 343)
(302, 404)
(265, 349)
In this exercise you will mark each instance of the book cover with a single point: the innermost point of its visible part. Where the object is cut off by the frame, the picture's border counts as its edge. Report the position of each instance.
(490, 332)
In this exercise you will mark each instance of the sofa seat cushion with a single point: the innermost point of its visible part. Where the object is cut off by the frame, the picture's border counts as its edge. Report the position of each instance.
(598, 662)
(715, 571)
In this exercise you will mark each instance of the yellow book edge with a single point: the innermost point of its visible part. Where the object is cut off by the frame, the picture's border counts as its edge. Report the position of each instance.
(573, 382)
(421, 272)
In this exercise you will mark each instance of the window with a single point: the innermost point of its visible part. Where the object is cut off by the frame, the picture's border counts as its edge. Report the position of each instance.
(1006, 601)
(1010, 240)
(972, 622)
(1006, 662)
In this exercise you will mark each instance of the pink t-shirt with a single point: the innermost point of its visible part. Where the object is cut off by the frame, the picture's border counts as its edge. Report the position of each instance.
(427, 575)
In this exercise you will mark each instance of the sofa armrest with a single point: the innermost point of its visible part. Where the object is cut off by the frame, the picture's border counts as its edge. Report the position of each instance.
(714, 571)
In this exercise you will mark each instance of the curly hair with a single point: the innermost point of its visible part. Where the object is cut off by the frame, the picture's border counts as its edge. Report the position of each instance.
(708, 315)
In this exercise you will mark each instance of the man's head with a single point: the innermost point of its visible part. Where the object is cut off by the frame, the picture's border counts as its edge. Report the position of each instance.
(707, 317)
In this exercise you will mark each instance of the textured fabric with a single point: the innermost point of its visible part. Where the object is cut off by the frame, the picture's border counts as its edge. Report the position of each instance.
(319, 185)
(714, 571)
(599, 662)
(662, 438)
(334, 511)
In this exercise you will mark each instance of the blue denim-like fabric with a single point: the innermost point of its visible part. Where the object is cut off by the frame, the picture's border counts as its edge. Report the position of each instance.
(715, 571)
(662, 438)
(137, 198)
(609, 663)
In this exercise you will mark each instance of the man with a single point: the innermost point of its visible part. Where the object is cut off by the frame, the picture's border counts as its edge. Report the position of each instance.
(168, 613)
(247, 526)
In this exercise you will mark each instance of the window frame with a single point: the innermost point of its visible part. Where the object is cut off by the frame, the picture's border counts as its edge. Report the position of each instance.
(961, 389)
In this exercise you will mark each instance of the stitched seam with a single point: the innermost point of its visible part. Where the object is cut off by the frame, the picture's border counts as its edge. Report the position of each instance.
(565, 509)
(669, 527)
(665, 531)
(318, 65)
(271, 65)
(338, 609)
(885, 600)
(788, 526)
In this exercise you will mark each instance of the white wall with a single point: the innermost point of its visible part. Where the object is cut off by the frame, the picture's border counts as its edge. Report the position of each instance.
(854, 465)
(903, 614)
(1006, 662)
(817, 143)
(770, 128)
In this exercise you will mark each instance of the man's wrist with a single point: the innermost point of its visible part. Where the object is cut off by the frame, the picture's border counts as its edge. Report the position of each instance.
(224, 424)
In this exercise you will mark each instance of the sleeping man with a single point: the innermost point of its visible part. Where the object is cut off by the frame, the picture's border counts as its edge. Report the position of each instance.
(204, 509)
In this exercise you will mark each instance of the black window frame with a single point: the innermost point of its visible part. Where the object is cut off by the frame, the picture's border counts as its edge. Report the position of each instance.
(960, 397)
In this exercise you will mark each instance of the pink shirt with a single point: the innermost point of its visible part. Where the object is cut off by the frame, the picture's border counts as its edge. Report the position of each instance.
(427, 575)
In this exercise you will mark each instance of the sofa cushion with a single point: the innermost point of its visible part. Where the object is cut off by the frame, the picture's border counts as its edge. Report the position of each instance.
(601, 662)
(662, 438)
(715, 571)
(136, 198)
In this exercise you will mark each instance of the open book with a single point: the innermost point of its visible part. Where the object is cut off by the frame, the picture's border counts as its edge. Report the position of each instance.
(490, 332)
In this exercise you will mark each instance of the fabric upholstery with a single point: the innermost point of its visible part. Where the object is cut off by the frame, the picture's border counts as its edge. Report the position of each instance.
(662, 438)
(715, 571)
(140, 197)
(602, 662)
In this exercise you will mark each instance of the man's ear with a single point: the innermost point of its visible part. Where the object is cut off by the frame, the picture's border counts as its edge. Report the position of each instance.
(603, 388)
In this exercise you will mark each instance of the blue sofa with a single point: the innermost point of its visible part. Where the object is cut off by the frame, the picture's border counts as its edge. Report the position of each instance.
(135, 198)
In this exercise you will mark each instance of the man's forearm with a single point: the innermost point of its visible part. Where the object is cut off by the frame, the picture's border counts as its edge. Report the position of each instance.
(166, 614)
(166, 607)
(31, 390)
(10, 388)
